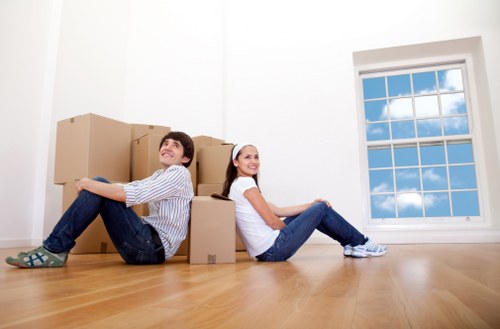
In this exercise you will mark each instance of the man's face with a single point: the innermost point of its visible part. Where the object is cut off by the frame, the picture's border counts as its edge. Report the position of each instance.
(172, 153)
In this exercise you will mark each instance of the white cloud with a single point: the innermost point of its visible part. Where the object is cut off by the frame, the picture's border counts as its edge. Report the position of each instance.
(452, 80)
(409, 200)
(401, 108)
(434, 199)
(383, 187)
(426, 106)
(430, 174)
(452, 103)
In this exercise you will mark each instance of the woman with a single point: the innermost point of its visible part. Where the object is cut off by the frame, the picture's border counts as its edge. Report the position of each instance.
(265, 235)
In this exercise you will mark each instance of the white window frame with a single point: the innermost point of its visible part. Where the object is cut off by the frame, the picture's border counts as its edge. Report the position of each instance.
(472, 115)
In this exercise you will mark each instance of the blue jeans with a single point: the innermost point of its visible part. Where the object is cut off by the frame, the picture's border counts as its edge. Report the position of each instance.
(299, 228)
(132, 237)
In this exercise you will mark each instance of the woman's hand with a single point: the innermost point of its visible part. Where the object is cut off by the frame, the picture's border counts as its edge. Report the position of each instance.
(323, 200)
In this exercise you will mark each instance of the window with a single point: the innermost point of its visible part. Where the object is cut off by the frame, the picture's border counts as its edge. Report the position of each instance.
(419, 144)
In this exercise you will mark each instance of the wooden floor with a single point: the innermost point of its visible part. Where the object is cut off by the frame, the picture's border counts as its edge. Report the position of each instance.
(413, 286)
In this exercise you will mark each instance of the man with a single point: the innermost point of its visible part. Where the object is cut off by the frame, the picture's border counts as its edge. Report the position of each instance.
(148, 240)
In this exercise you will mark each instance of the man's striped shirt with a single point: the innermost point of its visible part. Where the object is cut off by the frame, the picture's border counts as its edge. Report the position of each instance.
(168, 193)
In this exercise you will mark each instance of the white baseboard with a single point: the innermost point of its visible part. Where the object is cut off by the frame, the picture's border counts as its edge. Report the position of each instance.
(474, 235)
(19, 243)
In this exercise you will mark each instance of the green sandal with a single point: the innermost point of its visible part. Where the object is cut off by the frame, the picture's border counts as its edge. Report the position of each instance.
(38, 258)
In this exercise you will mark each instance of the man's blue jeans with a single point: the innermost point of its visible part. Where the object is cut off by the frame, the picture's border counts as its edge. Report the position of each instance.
(299, 228)
(131, 236)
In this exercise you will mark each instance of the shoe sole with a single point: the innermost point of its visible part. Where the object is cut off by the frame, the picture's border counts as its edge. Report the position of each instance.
(368, 254)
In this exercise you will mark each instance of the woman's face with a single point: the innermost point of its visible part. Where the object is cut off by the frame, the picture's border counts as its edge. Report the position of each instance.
(247, 163)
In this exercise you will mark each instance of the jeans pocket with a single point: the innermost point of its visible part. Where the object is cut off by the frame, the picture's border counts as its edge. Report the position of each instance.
(132, 255)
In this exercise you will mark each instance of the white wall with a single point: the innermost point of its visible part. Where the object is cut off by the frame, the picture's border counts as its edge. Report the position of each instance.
(277, 73)
(25, 84)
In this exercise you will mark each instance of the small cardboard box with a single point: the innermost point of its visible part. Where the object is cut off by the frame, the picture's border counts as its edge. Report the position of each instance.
(141, 130)
(95, 239)
(212, 235)
(207, 190)
(212, 163)
(91, 145)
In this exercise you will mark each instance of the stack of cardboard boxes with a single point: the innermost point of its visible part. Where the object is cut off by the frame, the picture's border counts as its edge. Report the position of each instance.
(91, 145)
(88, 146)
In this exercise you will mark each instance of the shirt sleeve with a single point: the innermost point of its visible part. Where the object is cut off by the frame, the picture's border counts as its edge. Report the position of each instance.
(245, 183)
(163, 184)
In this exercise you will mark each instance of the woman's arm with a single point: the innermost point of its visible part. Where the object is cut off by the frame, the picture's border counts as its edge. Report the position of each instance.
(110, 191)
(294, 210)
(261, 206)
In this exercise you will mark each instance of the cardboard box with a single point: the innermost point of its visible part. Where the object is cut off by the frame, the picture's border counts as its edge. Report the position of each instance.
(145, 157)
(141, 130)
(95, 239)
(212, 231)
(207, 190)
(198, 142)
(91, 145)
(212, 163)
(184, 247)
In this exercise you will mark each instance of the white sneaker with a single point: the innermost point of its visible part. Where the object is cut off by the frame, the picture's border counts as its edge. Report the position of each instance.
(369, 249)
(347, 250)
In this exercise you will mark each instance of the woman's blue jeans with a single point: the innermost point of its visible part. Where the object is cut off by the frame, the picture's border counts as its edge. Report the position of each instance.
(132, 237)
(299, 228)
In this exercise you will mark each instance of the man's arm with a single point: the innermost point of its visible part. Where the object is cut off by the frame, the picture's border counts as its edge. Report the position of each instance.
(110, 191)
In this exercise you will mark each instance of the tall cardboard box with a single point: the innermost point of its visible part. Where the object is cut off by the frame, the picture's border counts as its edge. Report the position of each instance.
(95, 238)
(141, 130)
(212, 231)
(200, 141)
(212, 163)
(145, 161)
(91, 145)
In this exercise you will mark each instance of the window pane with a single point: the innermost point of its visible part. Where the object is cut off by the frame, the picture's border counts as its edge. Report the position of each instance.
(453, 104)
(406, 156)
(450, 80)
(407, 180)
(460, 153)
(455, 126)
(409, 205)
(377, 131)
(376, 111)
(383, 206)
(462, 177)
(429, 128)
(434, 178)
(399, 85)
(402, 129)
(379, 158)
(437, 204)
(465, 203)
(426, 106)
(381, 181)
(424, 83)
(432, 154)
(374, 88)
(401, 108)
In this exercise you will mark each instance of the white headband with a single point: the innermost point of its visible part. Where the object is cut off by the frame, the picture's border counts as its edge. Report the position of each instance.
(238, 148)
